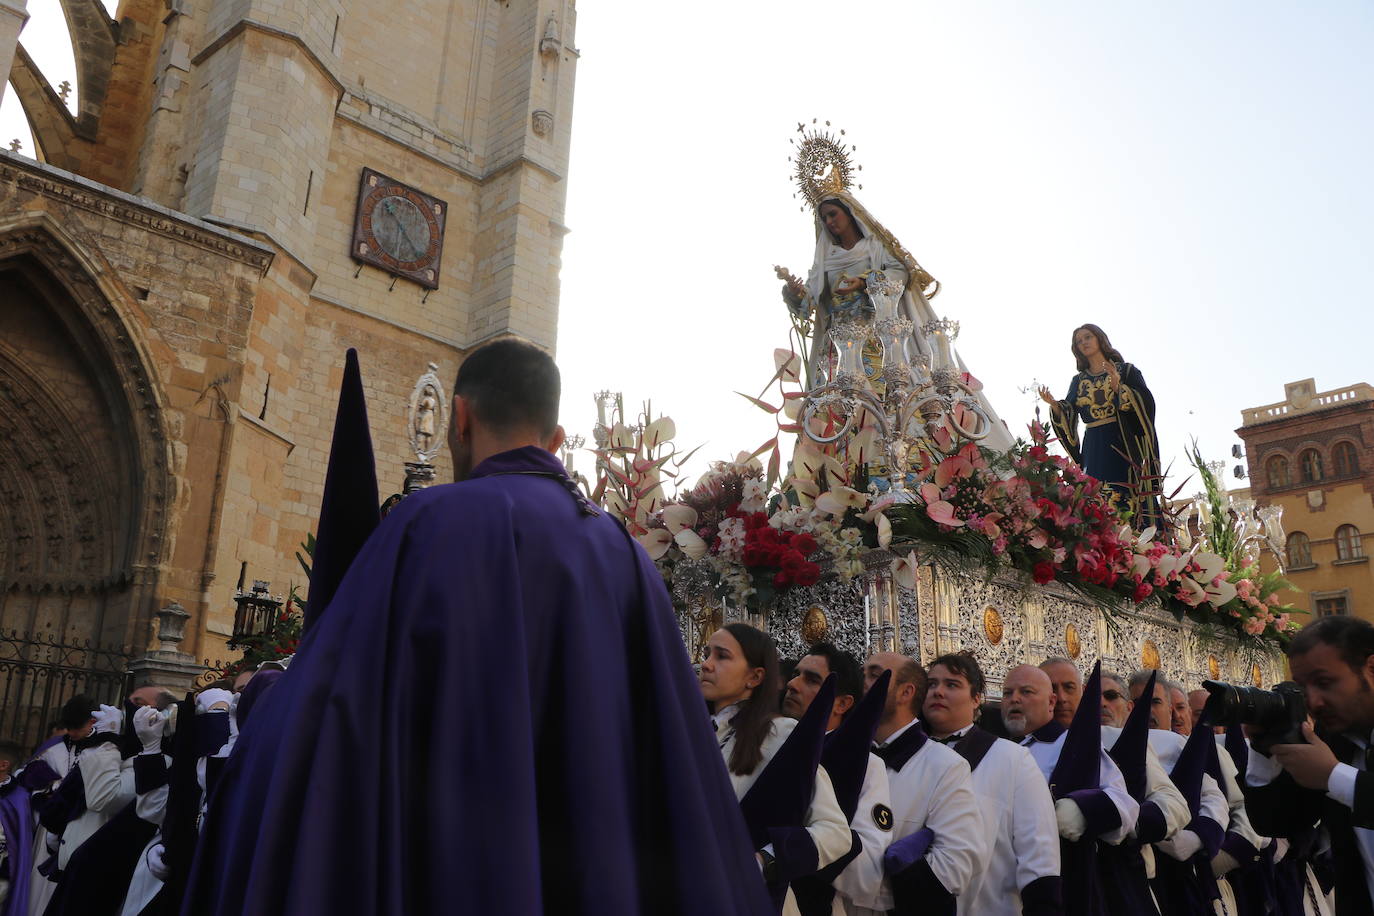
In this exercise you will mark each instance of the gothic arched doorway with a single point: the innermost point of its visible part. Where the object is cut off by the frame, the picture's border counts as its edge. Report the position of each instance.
(83, 481)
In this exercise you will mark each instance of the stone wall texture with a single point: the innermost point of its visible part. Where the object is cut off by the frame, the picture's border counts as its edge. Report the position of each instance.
(177, 291)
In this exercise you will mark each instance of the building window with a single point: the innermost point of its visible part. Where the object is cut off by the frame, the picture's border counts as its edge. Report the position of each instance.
(1299, 551)
(1348, 543)
(1311, 462)
(1328, 606)
(1277, 470)
(1345, 461)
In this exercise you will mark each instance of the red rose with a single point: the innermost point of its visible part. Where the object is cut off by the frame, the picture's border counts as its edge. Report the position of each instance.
(781, 579)
(804, 543)
(1043, 572)
(1142, 591)
(809, 574)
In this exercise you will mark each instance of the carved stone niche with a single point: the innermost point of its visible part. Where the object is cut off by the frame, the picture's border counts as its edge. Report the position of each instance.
(542, 122)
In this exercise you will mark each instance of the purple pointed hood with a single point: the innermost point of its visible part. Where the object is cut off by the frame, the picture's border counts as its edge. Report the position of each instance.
(349, 508)
(1080, 759)
(782, 793)
(845, 756)
(1134, 741)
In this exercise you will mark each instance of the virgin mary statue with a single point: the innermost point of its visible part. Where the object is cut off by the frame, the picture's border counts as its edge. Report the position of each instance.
(851, 247)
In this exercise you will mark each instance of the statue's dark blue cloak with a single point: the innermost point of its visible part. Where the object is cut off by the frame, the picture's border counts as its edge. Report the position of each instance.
(497, 715)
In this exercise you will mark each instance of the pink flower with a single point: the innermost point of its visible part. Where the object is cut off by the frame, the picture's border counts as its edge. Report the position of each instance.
(942, 512)
(1037, 539)
(1273, 600)
(1254, 626)
(952, 468)
(989, 524)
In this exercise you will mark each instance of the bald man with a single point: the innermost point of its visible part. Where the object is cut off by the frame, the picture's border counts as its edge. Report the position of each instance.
(1030, 713)
(1196, 700)
(932, 791)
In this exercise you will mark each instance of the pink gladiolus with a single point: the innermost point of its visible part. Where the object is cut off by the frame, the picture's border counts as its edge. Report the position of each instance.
(942, 512)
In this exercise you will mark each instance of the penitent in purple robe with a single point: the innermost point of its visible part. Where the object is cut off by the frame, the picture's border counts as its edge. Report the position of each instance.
(497, 715)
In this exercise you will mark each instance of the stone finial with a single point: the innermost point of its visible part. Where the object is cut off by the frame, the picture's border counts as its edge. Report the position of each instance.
(64, 89)
(171, 628)
(16, 145)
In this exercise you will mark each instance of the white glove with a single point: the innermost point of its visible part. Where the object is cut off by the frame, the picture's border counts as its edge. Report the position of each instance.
(1181, 845)
(53, 842)
(148, 725)
(156, 864)
(1223, 862)
(108, 719)
(211, 700)
(1072, 823)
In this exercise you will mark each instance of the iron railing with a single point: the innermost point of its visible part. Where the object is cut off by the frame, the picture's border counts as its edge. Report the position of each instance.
(40, 673)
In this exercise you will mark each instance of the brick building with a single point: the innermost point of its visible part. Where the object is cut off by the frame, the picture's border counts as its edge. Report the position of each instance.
(1313, 454)
(184, 264)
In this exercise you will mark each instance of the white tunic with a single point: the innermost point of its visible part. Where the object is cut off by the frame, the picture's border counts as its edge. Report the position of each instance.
(824, 819)
(1046, 756)
(60, 757)
(1022, 833)
(934, 789)
(861, 881)
(109, 784)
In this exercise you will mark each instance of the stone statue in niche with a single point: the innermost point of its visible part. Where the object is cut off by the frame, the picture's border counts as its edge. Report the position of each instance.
(551, 43)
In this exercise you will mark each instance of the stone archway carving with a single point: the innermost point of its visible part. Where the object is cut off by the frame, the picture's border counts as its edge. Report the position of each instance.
(67, 534)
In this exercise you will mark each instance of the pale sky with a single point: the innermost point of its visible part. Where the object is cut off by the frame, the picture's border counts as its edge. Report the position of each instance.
(1194, 177)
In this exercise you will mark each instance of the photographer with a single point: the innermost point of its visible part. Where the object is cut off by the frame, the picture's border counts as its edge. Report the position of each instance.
(1327, 778)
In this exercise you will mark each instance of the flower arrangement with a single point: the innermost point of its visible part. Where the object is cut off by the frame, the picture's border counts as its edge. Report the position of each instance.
(765, 530)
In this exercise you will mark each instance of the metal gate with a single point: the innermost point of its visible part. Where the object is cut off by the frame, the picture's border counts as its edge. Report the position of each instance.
(40, 673)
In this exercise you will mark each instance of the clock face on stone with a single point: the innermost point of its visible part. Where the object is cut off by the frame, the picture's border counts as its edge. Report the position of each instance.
(399, 229)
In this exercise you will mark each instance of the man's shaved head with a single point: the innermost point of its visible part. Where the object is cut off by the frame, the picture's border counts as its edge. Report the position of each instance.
(1027, 700)
(511, 386)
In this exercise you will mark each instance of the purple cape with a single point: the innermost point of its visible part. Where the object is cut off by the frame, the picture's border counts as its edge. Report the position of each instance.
(17, 820)
(496, 715)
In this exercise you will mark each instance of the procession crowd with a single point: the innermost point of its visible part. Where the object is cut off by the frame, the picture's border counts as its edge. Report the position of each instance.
(1111, 795)
(495, 714)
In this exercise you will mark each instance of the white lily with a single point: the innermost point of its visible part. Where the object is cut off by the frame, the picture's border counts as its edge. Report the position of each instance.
(656, 542)
(904, 572)
(1212, 566)
(677, 517)
(659, 431)
(692, 544)
(1220, 593)
(838, 500)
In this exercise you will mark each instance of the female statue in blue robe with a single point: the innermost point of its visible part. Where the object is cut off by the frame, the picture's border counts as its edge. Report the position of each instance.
(1118, 446)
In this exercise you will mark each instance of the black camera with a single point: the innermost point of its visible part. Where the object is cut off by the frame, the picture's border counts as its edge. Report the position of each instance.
(1278, 713)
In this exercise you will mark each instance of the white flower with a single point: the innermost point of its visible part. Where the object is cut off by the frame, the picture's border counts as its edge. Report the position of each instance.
(755, 496)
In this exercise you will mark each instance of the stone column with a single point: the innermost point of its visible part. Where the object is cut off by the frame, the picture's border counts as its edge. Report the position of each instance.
(12, 19)
(166, 666)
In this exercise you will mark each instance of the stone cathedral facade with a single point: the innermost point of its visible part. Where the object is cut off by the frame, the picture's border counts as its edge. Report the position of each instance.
(248, 188)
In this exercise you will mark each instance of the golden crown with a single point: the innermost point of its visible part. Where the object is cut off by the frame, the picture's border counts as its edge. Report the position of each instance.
(823, 166)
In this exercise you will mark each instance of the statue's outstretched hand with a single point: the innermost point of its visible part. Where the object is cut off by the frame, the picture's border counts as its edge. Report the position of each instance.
(1047, 397)
(852, 285)
(1113, 374)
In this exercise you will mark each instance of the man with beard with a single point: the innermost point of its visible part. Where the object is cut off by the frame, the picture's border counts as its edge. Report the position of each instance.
(938, 845)
(539, 744)
(1102, 812)
(1022, 875)
(1327, 779)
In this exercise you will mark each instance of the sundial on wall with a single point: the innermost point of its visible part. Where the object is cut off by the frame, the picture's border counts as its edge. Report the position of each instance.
(399, 229)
